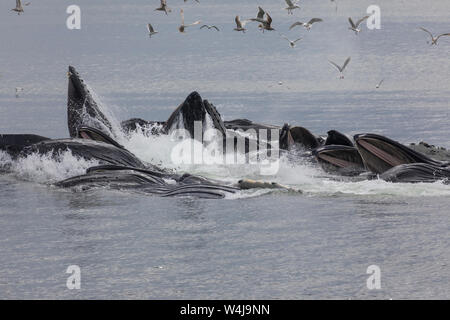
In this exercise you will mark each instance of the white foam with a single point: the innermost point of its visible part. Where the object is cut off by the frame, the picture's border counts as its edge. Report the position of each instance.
(46, 168)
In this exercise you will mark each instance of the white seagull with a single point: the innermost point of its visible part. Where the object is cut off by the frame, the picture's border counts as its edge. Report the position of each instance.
(307, 25)
(433, 38)
(151, 31)
(184, 26)
(240, 25)
(291, 43)
(354, 26)
(341, 69)
(291, 6)
(163, 7)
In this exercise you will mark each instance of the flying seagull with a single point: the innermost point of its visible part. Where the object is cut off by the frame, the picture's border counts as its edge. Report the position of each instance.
(341, 69)
(19, 8)
(18, 90)
(291, 43)
(163, 7)
(264, 24)
(434, 39)
(240, 25)
(184, 26)
(379, 84)
(291, 6)
(354, 26)
(307, 25)
(151, 31)
(209, 27)
(260, 15)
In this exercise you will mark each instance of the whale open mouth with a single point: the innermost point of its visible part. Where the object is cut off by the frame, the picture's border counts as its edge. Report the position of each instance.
(339, 158)
(381, 154)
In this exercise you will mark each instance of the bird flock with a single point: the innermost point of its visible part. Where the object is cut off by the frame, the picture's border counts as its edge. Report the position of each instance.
(264, 24)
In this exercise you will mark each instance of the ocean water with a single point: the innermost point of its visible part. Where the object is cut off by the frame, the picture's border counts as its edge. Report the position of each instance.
(257, 244)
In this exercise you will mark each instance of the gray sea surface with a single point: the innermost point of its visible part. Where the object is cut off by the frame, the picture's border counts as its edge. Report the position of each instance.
(257, 245)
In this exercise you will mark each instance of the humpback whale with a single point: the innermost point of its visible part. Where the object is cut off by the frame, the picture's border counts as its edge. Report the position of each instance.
(336, 138)
(82, 109)
(191, 110)
(304, 138)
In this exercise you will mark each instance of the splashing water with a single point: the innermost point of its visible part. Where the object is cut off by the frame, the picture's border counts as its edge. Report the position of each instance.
(116, 129)
(45, 168)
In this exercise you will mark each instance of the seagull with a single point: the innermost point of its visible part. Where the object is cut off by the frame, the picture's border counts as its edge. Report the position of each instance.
(151, 31)
(209, 27)
(379, 84)
(18, 89)
(307, 25)
(240, 25)
(291, 43)
(19, 8)
(354, 26)
(183, 26)
(341, 69)
(291, 6)
(434, 39)
(260, 15)
(264, 24)
(163, 7)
